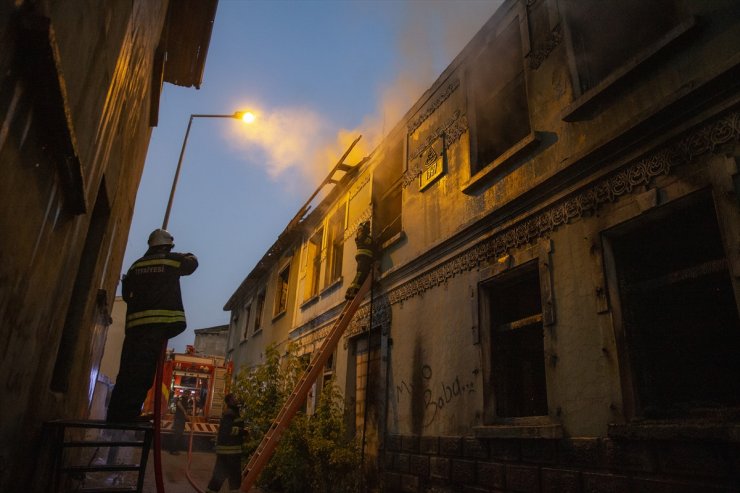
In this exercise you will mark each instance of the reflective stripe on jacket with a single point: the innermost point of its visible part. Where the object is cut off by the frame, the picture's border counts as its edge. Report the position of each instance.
(151, 289)
(230, 432)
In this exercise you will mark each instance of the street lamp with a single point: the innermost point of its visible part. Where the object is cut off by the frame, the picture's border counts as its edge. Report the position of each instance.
(245, 116)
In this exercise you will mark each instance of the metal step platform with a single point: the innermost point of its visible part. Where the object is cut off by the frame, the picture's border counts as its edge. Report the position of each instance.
(95, 456)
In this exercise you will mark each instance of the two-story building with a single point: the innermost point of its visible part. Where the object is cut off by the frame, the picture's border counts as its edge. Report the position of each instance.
(557, 302)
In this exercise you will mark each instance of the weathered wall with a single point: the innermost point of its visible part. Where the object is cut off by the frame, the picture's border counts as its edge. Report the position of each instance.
(211, 343)
(104, 62)
(626, 151)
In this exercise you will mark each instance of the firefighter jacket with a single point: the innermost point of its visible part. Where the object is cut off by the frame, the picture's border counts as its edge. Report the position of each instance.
(151, 290)
(365, 247)
(230, 432)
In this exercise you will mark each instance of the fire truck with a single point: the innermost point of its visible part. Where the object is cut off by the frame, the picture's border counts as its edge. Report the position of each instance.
(201, 381)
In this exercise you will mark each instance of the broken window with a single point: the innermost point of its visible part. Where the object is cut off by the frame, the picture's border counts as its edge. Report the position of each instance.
(335, 246)
(605, 35)
(258, 313)
(281, 291)
(313, 265)
(247, 311)
(679, 313)
(387, 194)
(514, 308)
(498, 98)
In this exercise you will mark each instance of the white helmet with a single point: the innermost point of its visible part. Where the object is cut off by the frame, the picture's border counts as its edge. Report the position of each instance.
(161, 237)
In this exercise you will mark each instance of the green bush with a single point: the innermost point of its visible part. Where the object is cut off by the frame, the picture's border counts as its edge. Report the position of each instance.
(315, 453)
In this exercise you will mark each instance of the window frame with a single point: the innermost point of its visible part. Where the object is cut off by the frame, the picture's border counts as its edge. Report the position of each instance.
(314, 253)
(259, 313)
(391, 187)
(247, 313)
(282, 290)
(538, 258)
(335, 246)
(480, 173)
(586, 102)
(628, 368)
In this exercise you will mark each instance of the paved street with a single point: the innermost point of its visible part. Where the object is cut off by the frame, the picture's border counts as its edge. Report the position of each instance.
(175, 479)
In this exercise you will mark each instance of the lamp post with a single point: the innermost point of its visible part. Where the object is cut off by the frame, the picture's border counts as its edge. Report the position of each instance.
(245, 116)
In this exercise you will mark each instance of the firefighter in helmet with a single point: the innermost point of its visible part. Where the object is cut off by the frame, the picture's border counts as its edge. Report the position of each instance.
(228, 447)
(154, 313)
(364, 257)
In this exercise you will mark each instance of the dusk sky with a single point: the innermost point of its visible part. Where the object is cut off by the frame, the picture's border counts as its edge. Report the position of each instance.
(317, 74)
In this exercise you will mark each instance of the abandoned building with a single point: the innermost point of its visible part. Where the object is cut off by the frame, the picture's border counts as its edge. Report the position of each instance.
(556, 301)
(79, 95)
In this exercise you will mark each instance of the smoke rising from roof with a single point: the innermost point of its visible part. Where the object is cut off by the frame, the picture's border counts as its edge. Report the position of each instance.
(303, 141)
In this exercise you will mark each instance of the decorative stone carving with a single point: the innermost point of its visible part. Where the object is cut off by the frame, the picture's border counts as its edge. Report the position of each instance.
(361, 321)
(452, 129)
(436, 103)
(587, 200)
(540, 54)
(590, 198)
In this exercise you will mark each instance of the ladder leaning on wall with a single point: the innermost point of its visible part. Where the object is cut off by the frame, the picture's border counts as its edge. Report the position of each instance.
(270, 441)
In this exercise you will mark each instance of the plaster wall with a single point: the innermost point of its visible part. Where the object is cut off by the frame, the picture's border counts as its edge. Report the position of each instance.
(435, 384)
(105, 53)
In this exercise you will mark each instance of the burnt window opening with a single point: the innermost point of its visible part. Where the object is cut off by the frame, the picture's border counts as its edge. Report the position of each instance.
(258, 311)
(329, 368)
(605, 35)
(81, 292)
(387, 194)
(498, 105)
(313, 265)
(517, 343)
(281, 292)
(679, 313)
(247, 311)
(335, 246)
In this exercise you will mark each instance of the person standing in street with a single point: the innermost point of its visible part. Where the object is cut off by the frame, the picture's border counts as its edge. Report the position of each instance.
(178, 426)
(228, 448)
(154, 313)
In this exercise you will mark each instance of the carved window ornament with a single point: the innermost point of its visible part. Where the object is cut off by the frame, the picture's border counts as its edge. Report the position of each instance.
(434, 165)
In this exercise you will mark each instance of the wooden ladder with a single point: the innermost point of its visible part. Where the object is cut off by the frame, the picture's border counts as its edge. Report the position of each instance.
(296, 399)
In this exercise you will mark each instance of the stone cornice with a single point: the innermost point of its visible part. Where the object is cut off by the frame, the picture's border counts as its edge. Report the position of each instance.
(586, 200)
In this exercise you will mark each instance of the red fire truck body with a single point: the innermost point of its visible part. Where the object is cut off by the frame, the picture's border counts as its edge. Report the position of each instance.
(201, 381)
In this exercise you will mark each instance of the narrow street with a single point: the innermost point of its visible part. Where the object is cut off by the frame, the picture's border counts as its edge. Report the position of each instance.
(174, 468)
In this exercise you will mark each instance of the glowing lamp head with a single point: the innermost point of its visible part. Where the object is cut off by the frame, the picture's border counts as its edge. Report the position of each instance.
(245, 116)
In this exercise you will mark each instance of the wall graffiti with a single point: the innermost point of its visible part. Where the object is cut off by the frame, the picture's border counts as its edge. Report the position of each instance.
(434, 395)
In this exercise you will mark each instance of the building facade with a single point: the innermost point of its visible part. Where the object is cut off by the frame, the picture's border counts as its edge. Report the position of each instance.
(556, 306)
(211, 340)
(79, 93)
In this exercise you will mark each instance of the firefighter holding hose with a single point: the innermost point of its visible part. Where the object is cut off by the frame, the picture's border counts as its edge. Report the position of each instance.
(154, 313)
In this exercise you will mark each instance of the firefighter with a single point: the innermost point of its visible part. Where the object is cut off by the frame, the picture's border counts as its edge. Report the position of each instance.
(178, 426)
(154, 313)
(228, 448)
(364, 257)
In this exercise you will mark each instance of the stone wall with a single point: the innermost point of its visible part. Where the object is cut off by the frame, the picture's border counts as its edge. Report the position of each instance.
(573, 465)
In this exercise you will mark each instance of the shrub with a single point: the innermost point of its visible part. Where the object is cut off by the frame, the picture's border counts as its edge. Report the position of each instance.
(315, 453)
